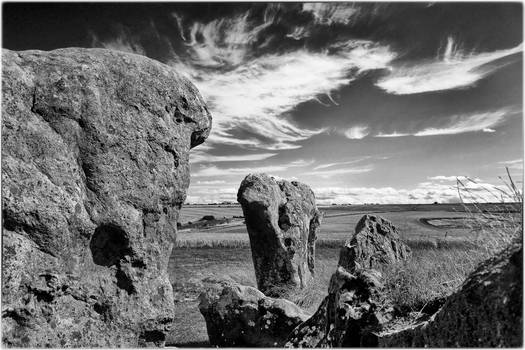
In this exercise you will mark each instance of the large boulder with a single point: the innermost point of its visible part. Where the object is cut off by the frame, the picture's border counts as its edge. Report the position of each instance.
(487, 311)
(282, 221)
(95, 147)
(355, 306)
(376, 242)
(243, 316)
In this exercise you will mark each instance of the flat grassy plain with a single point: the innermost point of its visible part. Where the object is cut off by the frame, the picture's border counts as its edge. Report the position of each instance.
(441, 236)
(413, 221)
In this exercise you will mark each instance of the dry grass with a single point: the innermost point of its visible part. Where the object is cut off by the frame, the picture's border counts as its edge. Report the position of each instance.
(431, 274)
(496, 227)
(435, 273)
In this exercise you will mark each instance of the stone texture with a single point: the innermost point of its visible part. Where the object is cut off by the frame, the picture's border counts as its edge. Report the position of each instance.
(243, 316)
(282, 221)
(354, 307)
(487, 311)
(95, 148)
(375, 243)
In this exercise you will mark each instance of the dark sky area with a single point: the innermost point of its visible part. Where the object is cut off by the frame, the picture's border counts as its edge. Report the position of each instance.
(365, 102)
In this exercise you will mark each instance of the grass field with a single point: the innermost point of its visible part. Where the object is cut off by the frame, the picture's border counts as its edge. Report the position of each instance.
(441, 237)
(414, 223)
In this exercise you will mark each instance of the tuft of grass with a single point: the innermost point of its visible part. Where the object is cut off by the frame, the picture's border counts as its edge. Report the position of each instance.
(431, 274)
(310, 298)
(496, 212)
(435, 271)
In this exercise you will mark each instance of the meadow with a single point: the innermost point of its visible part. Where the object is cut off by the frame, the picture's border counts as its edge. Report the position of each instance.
(443, 237)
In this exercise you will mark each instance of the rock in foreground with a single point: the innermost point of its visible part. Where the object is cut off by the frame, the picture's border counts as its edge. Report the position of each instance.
(375, 242)
(95, 168)
(243, 316)
(354, 307)
(282, 221)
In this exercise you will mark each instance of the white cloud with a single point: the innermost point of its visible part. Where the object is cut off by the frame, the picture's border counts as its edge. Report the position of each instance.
(356, 132)
(394, 134)
(254, 94)
(207, 183)
(329, 165)
(462, 123)
(270, 169)
(298, 33)
(201, 157)
(257, 95)
(424, 192)
(451, 70)
(451, 178)
(513, 164)
(329, 13)
(443, 178)
(440, 188)
(332, 172)
(225, 41)
(385, 195)
(468, 123)
(122, 41)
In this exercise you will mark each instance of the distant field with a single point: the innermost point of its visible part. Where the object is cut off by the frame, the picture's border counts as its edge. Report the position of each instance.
(195, 212)
(415, 222)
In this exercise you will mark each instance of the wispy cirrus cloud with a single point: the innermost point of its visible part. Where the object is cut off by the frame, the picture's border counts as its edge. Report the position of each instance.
(450, 178)
(256, 96)
(452, 69)
(393, 134)
(330, 165)
(226, 41)
(485, 121)
(207, 183)
(513, 164)
(476, 122)
(121, 41)
(202, 157)
(342, 171)
(213, 171)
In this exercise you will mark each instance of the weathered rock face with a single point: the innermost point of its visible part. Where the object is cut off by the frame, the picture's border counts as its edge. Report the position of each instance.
(243, 316)
(376, 242)
(95, 168)
(354, 307)
(282, 221)
(485, 312)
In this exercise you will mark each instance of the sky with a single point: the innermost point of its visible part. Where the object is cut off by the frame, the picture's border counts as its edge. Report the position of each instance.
(364, 102)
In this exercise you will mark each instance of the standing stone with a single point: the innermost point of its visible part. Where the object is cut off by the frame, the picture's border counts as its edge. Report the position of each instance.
(355, 306)
(282, 221)
(95, 147)
(375, 243)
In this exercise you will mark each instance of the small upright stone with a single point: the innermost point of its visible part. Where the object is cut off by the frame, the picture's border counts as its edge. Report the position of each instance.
(375, 242)
(282, 221)
(354, 306)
